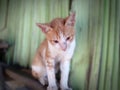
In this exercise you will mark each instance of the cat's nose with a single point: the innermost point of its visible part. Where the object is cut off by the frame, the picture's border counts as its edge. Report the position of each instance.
(63, 46)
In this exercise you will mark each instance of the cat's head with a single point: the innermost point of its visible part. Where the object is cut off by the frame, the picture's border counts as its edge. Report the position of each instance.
(60, 32)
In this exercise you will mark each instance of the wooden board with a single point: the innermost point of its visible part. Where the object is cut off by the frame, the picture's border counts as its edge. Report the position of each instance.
(20, 81)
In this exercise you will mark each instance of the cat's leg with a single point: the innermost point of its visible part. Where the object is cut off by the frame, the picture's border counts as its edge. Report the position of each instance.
(57, 68)
(40, 73)
(43, 80)
(50, 67)
(64, 67)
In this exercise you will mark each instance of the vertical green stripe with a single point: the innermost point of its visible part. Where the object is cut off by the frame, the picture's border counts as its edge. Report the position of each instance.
(110, 56)
(104, 46)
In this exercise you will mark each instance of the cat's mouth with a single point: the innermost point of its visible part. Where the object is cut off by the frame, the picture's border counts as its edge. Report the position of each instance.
(63, 46)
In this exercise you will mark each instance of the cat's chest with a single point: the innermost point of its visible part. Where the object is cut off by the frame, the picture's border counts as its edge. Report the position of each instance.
(60, 55)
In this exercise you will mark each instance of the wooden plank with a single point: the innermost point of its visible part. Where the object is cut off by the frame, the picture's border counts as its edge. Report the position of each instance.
(3, 46)
(14, 84)
(2, 84)
(25, 80)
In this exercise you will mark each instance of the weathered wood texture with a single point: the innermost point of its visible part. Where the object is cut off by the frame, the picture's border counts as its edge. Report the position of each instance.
(20, 80)
(95, 65)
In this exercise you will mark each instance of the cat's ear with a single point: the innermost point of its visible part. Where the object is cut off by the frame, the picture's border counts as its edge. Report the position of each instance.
(70, 21)
(44, 27)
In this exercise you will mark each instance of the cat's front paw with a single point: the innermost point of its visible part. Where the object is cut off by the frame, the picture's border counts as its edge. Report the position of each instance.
(43, 81)
(66, 88)
(52, 88)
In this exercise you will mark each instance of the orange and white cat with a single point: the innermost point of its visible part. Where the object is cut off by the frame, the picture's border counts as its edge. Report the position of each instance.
(55, 52)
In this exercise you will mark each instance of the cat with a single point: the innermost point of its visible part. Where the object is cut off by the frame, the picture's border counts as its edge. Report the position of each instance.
(55, 52)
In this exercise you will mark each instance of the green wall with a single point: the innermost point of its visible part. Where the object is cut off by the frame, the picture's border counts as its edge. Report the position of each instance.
(95, 65)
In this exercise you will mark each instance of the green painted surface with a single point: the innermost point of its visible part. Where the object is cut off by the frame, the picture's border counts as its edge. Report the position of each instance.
(95, 65)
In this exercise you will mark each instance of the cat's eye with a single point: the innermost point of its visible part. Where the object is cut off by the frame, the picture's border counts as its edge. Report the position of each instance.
(55, 41)
(68, 38)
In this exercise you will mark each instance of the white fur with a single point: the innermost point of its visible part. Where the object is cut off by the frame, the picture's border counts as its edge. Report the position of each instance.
(36, 68)
(64, 67)
(64, 57)
(51, 77)
(70, 50)
(58, 52)
(62, 38)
